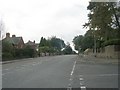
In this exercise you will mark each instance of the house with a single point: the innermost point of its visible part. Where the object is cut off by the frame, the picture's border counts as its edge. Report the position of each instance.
(31, 44)
(17, 42)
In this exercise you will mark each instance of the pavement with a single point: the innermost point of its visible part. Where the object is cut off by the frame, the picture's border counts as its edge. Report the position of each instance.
(65, 71)
(89, 58)
(12, 61)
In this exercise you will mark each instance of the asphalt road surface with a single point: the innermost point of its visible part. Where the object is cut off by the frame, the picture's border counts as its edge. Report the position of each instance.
(65, 71)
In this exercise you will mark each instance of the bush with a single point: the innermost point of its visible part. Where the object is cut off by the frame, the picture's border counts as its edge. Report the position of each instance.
(7, 56)
(111, 42)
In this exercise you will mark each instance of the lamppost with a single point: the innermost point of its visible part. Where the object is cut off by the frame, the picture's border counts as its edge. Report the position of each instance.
(94, 46)
(79, 50)
(95, 42)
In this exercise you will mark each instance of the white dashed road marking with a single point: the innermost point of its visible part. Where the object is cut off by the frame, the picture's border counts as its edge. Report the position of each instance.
(81, 79)
(71, 77)
(83, 88)
(73, 68)
(82, 84)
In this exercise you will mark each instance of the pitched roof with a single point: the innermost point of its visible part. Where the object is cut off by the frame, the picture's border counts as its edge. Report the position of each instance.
(16, 40)
(30, 43)
(13, 40)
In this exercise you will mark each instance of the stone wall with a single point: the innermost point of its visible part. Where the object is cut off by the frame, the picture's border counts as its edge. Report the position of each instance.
(111, 51)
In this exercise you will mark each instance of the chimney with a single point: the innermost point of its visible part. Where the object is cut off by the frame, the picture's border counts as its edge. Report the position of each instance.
(13, 36)
(7, 35)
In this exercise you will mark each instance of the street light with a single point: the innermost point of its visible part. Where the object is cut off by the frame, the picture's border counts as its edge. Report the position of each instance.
(95, 43)
(94, 46)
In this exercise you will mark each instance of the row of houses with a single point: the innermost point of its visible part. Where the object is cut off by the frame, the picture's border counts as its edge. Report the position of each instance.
(19, 43)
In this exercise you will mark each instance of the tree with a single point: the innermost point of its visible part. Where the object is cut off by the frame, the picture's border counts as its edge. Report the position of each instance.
(42, 42)
(51, 45)
(103, 17)
(68, 50)
(8, 50)
(78, 42)
(57, 43)
(83, 42)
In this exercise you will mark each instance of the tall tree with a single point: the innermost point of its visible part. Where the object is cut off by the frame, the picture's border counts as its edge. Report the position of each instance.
(103, 17)
(68, 50)
(78, 42)
(57, 43)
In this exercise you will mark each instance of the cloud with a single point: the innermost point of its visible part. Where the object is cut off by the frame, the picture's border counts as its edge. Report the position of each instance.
(33, 19)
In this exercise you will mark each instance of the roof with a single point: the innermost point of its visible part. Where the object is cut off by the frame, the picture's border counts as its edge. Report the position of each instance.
(13, 40)
(30, 43)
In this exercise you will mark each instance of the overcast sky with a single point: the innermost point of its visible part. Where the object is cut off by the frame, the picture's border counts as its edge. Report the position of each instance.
(33, 19)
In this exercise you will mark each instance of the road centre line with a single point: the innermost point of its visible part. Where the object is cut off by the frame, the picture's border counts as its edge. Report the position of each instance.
(73, 68)
(82, 85)
(83, 88)
(81, 79)
(71, 78)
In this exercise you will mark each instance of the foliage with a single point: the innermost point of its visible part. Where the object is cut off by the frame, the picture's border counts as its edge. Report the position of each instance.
(111, 42)
(83, 42)
(10, 52)
(78, 41)
(68, 50)
(104, 17)
(52, 45)
(7, 50)
(104, 26)
(57, 43)
(26, 52)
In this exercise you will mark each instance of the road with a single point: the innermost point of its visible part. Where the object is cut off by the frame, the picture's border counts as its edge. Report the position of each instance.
(65, 71)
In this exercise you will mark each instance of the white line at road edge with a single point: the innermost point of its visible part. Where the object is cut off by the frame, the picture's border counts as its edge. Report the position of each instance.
(73, 68)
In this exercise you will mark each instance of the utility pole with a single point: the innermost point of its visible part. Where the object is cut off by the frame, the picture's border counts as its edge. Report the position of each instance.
(94, 45)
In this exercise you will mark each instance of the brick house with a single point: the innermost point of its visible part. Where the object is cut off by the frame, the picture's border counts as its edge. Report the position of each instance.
(32, 44)
(17, 42)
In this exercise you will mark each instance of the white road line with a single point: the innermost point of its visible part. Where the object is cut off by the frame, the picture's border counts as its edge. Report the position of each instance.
(83, 88)
(82, 84)
(81, 79)
(73, 68)
(71, 78)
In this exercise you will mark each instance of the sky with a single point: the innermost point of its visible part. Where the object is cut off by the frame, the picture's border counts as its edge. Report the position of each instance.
(33, 19)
